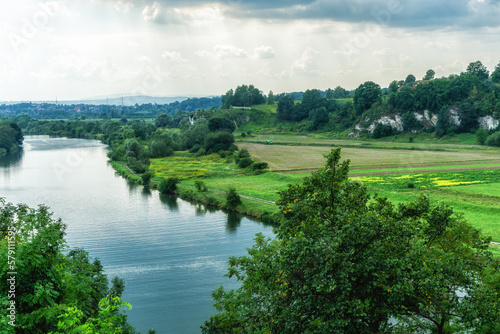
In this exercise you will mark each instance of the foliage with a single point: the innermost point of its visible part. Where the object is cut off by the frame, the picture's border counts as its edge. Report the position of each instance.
(495, 76)
(219, 141)
(481, 136)
(429, 75)
(11, 137)
(410, 79)
(200, 185)
(341, 265)
(168, 186)
(493, 139)
(365, 95)
(221, 124)
(232, 199)
(49, 284)
(146, 177)
(285, 108)
(245, 162)
(270, 98)
(243, 96)
(382, 130)
(478, 69)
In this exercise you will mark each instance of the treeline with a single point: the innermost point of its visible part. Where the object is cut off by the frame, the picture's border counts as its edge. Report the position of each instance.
(47, 289)
(84, 111)
(450, 105)
(11, 137)
(136, 141)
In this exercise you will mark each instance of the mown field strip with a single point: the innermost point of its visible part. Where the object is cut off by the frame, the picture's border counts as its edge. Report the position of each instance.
(456, 168)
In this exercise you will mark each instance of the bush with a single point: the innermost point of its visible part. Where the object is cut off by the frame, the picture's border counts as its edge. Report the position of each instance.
(232, 199)
(243, 153)
(493, 139)
(245, 162)
(146, 177)
(382, 130)
(200, 185)
(259, 165)
(168, 186)
(411, 185)
(481, 136)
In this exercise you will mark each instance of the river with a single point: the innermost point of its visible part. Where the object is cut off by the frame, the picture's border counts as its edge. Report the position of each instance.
(172, 254)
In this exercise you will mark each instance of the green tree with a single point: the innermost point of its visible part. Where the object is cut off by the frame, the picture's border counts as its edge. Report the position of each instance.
(365, 95)
(285, 108)
(429, 75)
(481, 136)
(495, 76)
(329, 94)
(341, 265)
(168, 186)
(410, 79)
(232, 199)
(270, 98)
(493, 139)
(339, 93)
(478, 69)
(163, 120)
(49, 281)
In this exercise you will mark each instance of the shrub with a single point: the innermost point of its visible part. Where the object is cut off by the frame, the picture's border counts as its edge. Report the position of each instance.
(481, 136)
(411, 185)
(168, 186)
(146, 177)
(493, 139)
(245, 162)
(232, 199)
(259, 165)
(200, 185)
(243, 153)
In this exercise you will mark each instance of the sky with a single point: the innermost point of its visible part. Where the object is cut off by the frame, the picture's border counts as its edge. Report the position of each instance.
(75, 49)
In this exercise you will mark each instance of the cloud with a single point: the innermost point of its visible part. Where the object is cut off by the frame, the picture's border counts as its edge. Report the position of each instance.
(151, 13)
(174, 56)
(223, 52)
(264, 52)
(123, 6)
(307, 64)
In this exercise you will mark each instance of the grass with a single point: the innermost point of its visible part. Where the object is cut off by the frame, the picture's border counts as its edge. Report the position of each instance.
(473, 193)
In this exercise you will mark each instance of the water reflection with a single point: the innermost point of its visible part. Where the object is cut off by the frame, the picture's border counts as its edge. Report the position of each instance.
(170, 201)
(146, 192)
(233, 221)
(12, 160)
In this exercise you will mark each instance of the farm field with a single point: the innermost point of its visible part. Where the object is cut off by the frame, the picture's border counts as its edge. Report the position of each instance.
(464, 178)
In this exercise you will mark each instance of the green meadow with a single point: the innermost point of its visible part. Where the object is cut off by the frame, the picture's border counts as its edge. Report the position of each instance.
(466, 177)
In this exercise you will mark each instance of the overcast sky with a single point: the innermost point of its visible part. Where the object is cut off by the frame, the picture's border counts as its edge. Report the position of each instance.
(72, 49)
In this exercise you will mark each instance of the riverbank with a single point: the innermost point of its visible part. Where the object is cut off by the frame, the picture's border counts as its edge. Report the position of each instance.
(259, 207)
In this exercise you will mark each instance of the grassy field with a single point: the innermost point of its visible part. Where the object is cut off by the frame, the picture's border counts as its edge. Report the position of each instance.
(462, 175)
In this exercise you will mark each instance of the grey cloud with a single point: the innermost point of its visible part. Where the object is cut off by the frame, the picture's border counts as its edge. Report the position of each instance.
(397, 13)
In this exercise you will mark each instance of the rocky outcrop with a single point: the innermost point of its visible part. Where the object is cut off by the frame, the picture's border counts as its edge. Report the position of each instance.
(488, 122)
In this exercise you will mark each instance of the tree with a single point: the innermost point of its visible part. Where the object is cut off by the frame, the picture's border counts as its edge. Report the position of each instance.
(163, 120)
(481, 136)
(285, 108)
(495, 76)
(339, 93)
(270, 98)
(478, 69)
(429, 75)
(329, 94)
(341, 265)
(221, 124)
(218, 141)
(232, 199)
(318, 117)
(365, 95)
(50, 282)
(493, 139)
(410, 79)
(168, 186)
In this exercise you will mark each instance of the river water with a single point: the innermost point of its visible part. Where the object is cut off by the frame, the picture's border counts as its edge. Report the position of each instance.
(171, 254)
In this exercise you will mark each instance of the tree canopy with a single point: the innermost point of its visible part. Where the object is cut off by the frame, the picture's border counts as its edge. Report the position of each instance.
(341, 263)
(54, 291)
(365, 95)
